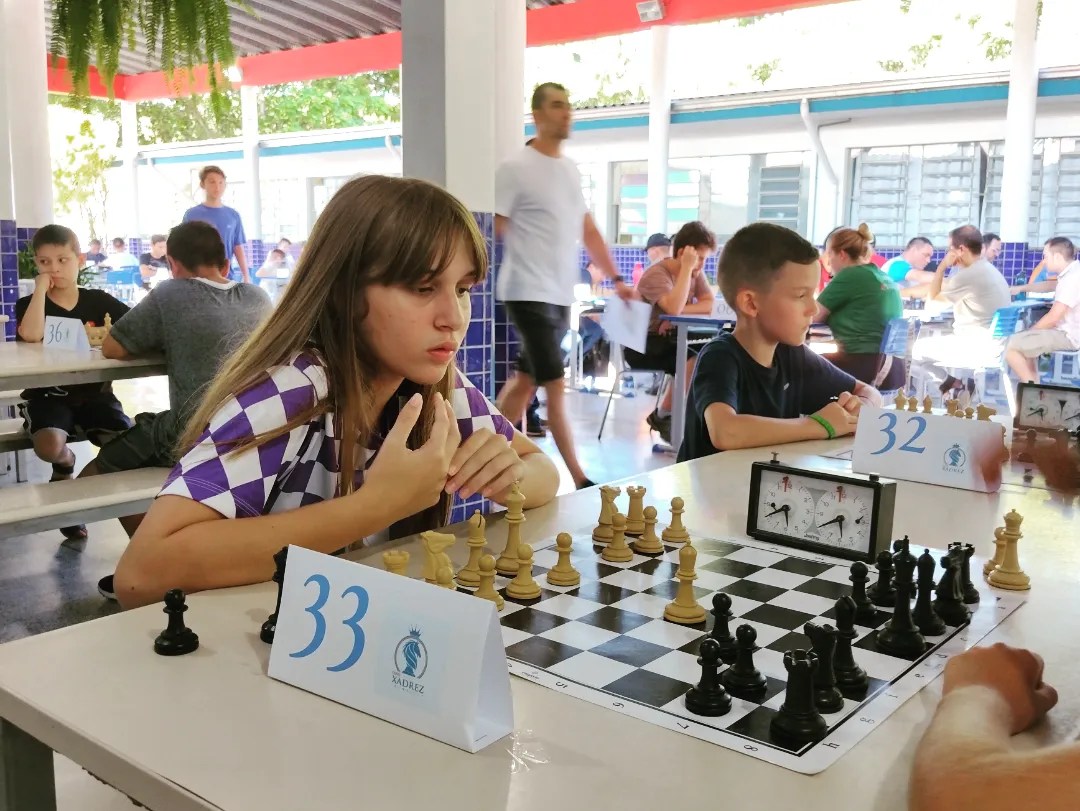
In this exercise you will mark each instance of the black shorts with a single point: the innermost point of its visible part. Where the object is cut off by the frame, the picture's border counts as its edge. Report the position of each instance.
(139, 446)
(864, 366)
(540, 327)
(100, 417)
(660, 353)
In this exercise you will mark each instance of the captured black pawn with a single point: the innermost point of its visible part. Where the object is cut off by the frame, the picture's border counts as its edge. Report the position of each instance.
(948, 603)
(826, 697)
(924, 615)
(743, 677)
(708, 696)
(882, 592)
(177, 639)
(850, 678)
(864, 609)
(900, 637)
(281, 557)
(721, 611)
(798, 720)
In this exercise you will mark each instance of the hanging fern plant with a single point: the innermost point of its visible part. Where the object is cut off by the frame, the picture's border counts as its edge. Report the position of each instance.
(181, 33)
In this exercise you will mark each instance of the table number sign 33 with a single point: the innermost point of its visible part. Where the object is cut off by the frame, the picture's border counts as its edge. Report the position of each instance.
(930, 448)
(422, 657)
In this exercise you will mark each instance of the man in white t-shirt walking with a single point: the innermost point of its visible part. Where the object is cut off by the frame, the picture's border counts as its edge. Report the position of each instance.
(541, 214)
(1059, 329)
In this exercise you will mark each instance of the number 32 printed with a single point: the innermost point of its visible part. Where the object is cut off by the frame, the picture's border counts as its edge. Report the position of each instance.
(890, 434)
(352, 623)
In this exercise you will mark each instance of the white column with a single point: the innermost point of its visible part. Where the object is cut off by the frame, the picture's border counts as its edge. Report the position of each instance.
(1020, 125)
(26, 75)
(129, 144)
(659, 133)
(7, 199)
(249, 135)
(462, 89)
(602, 200)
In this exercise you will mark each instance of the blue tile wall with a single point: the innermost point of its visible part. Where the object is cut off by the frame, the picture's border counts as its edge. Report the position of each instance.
(9, 275)
(627, 259)
(1015, 261)
(477, 351)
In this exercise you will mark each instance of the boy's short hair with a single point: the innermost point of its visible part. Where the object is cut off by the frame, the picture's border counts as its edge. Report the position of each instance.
(119, 242)
(55, 235)
(196, 244)
(156, 238)
(967, 236)
(754, 255)
(918, 241)
(1062, 246)
(693, 235)
(210, 170)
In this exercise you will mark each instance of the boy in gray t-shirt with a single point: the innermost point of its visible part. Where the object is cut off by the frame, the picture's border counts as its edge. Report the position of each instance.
(196, 319)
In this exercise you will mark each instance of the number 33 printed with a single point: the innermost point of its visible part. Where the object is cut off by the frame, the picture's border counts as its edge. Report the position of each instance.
(352, 623)
(890, 434)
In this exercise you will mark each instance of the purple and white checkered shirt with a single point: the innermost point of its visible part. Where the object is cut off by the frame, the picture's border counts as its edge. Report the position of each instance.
(301, 465)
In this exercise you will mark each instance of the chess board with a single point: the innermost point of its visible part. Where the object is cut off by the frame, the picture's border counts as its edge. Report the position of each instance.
(605, 641)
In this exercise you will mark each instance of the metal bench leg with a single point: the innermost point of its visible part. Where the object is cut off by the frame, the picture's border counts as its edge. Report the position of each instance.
(27, 782)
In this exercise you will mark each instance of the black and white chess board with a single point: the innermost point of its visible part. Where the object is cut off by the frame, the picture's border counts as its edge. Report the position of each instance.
(605, 640)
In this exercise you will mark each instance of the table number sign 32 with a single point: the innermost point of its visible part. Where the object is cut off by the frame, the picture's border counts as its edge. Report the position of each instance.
(929, 448)
(423, 657)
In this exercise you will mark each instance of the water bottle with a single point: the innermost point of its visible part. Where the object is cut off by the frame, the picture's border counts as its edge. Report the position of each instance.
(1021, 279)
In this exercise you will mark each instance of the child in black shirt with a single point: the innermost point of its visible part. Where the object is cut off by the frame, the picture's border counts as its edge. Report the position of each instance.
(51, 415)
(754, 386)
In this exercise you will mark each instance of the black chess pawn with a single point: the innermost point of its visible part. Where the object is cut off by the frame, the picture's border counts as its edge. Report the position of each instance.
(177, 639)
(798, 720)
(969, 593)
(827, 698)
(721, 632)
(1028, 453)
(864, 609)
(266, 634)
(924, 615)
(900, 637)
(708, 696)
(949, 602)
(743, 677)
(850, 678)
(882, 592)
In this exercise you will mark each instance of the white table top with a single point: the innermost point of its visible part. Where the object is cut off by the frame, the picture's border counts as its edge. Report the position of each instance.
(212, 725)
(24, 365)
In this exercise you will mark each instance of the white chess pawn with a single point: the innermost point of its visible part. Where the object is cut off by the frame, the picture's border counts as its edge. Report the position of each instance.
(676, 532)
(648, 543)
(523, 586)
(563, 573)
(486, 590)
(617, 551)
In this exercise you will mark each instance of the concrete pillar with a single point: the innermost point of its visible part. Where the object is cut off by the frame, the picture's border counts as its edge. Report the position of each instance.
(1020, 125)
(659, 133)
(249, 135)
(129, 144)
(25, 72)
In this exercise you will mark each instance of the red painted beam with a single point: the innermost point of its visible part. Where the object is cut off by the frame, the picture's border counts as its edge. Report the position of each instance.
(60, 80)
(585, 19)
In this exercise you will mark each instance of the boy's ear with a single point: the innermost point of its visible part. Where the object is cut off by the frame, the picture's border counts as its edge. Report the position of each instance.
(82, 259)
(746, 302)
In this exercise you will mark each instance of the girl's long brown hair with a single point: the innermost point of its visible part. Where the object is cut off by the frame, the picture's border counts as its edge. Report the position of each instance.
(375, 230)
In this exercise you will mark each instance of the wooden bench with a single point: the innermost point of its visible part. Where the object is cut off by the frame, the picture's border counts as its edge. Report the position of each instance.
(13, 436)
(27, 508)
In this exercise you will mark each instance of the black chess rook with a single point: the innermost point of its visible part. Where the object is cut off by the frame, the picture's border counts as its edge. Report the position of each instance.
(177, 639)
(798, 720)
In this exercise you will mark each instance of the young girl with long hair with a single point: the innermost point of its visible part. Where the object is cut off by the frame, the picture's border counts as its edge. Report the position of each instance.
(343, 416)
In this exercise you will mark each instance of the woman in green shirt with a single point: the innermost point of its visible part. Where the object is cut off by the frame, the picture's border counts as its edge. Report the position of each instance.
(857, 305)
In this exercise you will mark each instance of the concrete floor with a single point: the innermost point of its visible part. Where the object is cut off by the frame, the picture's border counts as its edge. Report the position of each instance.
(48, 583)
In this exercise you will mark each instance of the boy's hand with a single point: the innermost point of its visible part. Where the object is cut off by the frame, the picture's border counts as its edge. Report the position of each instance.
(842, 420)
(1014, 674)
(688, 259)
(485, 463)
(849, 402)
(43, 281)
(412, 480)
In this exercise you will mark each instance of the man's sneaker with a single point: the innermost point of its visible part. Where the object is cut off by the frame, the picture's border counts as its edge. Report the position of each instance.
(105, 588)
(662, 425)
(533, 427)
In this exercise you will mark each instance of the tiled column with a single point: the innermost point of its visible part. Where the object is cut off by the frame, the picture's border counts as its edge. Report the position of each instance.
(462, 99)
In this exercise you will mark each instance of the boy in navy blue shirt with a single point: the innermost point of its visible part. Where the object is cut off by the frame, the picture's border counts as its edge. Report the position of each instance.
(761, 384)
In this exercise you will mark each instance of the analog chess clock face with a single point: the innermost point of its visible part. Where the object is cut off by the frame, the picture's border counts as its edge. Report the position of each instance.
(1047, 408)
(845, 515)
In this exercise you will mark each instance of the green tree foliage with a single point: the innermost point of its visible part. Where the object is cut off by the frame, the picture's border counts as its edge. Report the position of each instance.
(763, 72)
(611, 86)
(79, 178)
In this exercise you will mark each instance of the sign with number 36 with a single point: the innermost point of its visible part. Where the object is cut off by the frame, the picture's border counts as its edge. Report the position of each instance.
(927, 448)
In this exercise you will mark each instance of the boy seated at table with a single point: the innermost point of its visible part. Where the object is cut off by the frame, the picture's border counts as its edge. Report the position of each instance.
(676, 285)
(761, 384)
(1059, 329)
(53, 416)
(196, 319)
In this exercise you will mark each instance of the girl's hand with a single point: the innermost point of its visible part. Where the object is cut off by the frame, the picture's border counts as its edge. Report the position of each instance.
(484, 463)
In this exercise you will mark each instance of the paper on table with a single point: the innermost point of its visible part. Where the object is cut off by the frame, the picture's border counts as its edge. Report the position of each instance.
(627, 323)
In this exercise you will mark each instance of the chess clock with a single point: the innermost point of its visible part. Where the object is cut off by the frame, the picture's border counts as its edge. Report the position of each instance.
(846, 515)
(1044, 407)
